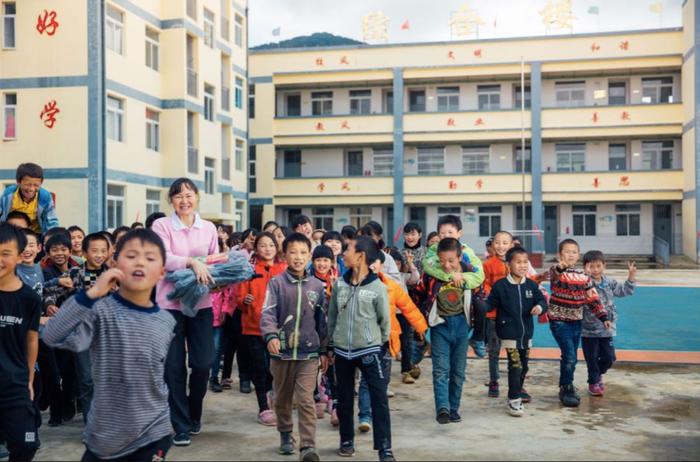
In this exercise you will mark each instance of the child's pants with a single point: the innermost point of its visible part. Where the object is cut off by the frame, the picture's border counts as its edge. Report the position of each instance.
(19, 426)
(600, 356)
(151, 452)
(568, 335)
(449, 351)
(294, 382)
(261, 369)
(517, 370)
(494, 349)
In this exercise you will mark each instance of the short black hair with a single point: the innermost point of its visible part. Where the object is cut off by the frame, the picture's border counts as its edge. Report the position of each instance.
(29, 169)
(331, 236)
(412, 226)
(450, 244)
(449, 220)
(57, 240)
(566, 242)
(593, 255)
(295, 237)
(95, 237)
(513, 252)
(270, 223)
(74, 228)
(119, 230)
(348, 232)
(298, 221)
(9, 233)
(144, 235)
(21, 215)
(367, 246)
(153, 217)
(177, 186)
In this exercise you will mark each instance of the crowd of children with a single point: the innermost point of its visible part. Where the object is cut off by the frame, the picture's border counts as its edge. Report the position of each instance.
(85, 326)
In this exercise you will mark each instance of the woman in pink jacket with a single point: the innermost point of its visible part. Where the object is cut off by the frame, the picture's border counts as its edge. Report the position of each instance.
(186, 236)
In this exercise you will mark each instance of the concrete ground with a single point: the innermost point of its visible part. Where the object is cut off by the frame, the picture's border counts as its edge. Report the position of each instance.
(650, 412)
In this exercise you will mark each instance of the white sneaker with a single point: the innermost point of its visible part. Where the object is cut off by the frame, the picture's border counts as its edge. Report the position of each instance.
(515, 407)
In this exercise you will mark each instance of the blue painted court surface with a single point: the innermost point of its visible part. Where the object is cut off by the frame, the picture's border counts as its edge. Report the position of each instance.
(654, 318)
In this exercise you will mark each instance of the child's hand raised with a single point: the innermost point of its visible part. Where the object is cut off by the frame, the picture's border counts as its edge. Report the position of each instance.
(632, 268)
(105, 283)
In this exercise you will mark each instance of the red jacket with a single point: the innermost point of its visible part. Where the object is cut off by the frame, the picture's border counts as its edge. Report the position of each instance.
(251, 313)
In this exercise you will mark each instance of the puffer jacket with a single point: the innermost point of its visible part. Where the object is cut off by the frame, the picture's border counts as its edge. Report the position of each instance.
(359, 321)
(293, 314)
(250, 313)
(398, 298)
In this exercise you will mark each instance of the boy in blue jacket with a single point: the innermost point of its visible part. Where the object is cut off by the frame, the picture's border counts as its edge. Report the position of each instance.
(517, 300)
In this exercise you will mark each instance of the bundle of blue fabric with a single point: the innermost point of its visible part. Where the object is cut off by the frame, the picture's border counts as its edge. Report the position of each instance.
(190, 292)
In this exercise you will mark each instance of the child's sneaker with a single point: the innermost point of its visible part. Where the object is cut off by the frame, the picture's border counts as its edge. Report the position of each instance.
(267, 418)
(493, 389)
(568, 396)
(515, 407)
(525, 396)
(408, 378)
(346, 449)
(415, 371)
(595, 389)
(443, 417)
(364, 426)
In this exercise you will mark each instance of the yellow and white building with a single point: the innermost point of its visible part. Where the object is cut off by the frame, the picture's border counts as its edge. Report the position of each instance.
(409, 132)
(116, 98)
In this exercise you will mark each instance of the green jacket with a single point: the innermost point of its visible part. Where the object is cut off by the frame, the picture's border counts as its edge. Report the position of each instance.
(359, 321)
(473, 278)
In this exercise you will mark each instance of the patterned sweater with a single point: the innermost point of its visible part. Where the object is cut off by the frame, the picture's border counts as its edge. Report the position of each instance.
(572, 291)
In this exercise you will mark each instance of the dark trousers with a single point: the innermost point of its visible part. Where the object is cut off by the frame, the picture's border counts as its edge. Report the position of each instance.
(406, 343)
(260, 360)
(600, 356)
(18, 425)
(83, 371)
(568, 335)
(371, 368)
(198, 333)
(155, 451)
(233, 344)
(517, 370)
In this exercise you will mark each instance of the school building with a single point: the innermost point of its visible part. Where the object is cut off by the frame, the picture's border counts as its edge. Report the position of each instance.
(117, 98)
(410, 132)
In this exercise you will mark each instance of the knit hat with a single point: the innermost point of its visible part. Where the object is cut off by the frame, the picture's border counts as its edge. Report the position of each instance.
(322, 251)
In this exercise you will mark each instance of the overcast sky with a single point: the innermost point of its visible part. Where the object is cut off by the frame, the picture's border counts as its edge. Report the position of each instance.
(429, 19)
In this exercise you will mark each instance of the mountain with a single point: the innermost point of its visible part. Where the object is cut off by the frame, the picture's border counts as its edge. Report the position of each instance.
(317, 39)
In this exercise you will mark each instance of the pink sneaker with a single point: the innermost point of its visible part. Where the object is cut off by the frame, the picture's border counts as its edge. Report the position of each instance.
(267, 418)
(320, 410)
(595, 389)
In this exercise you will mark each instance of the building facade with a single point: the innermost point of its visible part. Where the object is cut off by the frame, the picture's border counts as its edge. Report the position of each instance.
(409, 132)
(117, 98)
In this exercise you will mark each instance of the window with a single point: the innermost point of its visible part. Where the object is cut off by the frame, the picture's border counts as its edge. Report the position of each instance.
(431, 160)
(115, 119)
(152, 130)
(657, 155)
(519, 160)
(383, 160)
(628, 218)
(8, 25)
(238, 93)
(192, 152)
(321, 103)
(489, 97)
(475, 160)
(489, 220)
(354, 163)
(584, 220)
(152, 201)
(322, 218)
(209, 176)
(518, 96)
(9, 131)
(360, 101)
(617, 92)
(388, 101)
(292, 163)
(238, 32)
(209, 102)
(570, 94)
(416, 100)
(238, 218)
(359, 216)
(442, 211)
(617, 157)
(225, 25)
(208, 28)
(252, 169)
(225, 152)
(152, 46)
(239, 155)
(657, 90)
(448, 99)
(115, 206)
(251, 101)
(192, 9)
(571, 157)
(114, 29)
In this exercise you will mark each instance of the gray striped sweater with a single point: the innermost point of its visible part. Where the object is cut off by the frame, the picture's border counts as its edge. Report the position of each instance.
(128, 346)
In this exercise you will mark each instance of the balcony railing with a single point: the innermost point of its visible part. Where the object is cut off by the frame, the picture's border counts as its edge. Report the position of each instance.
(192, 159)
(192, 82)
(225, 98)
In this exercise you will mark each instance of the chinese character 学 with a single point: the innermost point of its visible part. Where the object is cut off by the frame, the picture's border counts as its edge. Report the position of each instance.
(47, 23)
(48, 115)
